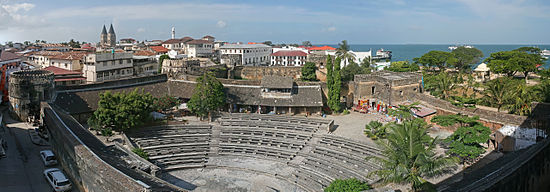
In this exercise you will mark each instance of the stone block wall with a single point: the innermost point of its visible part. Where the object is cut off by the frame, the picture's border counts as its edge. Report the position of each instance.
(27, 89)
(256, 73)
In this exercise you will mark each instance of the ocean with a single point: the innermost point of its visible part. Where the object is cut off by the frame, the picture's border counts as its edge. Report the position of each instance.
(407, 52)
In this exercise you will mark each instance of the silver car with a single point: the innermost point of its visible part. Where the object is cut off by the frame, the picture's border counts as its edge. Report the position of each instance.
(57, 179)
(48, 157)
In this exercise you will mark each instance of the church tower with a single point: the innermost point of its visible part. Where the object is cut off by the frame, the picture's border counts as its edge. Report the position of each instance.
(111, 37)
(173, 32)
(103, 37)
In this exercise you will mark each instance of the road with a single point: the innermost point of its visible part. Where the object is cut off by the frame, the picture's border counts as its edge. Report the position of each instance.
(21, 170)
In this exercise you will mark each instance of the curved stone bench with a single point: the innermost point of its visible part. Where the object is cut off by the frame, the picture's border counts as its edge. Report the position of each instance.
(255, 151)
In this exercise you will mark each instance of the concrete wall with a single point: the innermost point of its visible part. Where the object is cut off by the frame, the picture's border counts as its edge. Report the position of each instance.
(27, 89)
(117, 83)
(86, 170)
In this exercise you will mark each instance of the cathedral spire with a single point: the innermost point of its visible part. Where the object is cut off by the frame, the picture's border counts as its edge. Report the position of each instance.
(111, 30)
(104, 31)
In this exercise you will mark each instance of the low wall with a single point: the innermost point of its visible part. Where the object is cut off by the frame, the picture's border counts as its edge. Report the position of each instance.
(493, 119)
(117, 83)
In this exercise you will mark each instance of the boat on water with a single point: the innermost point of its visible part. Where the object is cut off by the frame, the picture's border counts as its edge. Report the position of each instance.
(382, 54)
(456, 46)
(545, 53)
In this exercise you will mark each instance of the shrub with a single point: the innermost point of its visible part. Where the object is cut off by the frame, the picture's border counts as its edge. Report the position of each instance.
(345, 112)
(347, 185)
(375, 130)
(140, 152)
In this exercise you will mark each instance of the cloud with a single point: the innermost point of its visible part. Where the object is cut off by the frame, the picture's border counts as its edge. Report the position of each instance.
(141, 30)
(221, 24)
(14, 16)
(507, 9)
(331, 29)
(12, 9)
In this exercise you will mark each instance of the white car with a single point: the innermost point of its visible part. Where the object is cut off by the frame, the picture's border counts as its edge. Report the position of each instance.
(48, 157)
(57, 179)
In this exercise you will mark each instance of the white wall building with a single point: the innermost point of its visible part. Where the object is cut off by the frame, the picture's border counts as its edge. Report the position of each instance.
(289, 48)
(288, 58)
(245, 54)
(199, 48)
(107, 66)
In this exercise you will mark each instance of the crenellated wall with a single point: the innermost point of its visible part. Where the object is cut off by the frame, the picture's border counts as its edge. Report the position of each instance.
(256, 73)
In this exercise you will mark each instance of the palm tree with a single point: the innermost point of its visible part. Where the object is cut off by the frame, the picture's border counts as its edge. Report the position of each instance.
(523, 98)
(499, 92)
(445, 84)
(409, 157)
(344, 52)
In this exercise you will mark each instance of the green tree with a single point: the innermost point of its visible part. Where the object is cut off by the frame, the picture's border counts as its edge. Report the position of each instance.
(347, 185)
(166, 102)
(308, 72)
(375, 130)
(208, 96)
(439, 59)
(464, 57)
(349, 71)
(511, 62)
(73, 44)
(465, 142)
(121, 111)
(402, 66)
(344, 53)
(268, 43)
(337, 86)
(161, 59)
(408, 155)
(330, 80)
(499, 92)
(404, 111)
(444, 85)
(307, 44)
(523, 97)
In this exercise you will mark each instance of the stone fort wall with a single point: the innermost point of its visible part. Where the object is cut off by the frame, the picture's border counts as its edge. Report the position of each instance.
(27, 89)
(256, 73)
(87, 171)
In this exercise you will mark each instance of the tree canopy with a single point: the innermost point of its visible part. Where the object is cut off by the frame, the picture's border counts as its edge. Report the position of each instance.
(343, 51)
(464, 57)
(161, 59)
(439, 59)
(352, 69)
(208, 96)
(499, 92)
(510, 62)
(121, 111)
(347, 185)
(402, 66)
(308, 72)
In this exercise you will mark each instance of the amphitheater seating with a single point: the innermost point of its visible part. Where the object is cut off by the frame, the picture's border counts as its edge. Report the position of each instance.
(277, 118)
(311, 179)
(270, 124)
(176, 146)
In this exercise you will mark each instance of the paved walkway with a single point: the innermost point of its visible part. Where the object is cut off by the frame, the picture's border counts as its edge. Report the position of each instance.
(352, 125)
(21, 170)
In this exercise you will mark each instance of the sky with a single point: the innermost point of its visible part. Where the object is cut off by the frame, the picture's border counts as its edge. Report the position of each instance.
(283, 21)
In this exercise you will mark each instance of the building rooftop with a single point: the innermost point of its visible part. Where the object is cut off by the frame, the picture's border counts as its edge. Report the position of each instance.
(391, 76)
(144, 53)
(323, 48)
(244, 46)
(60, 71)
(159, 49)
(277, 82)
(293, 53)
(198, 42)
(6, 56)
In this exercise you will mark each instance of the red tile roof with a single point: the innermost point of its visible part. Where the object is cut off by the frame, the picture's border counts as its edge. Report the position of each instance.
(144, 53)
(159, 49)
(199, 41)
(6, 56)
(73, 55)
(289, 53)
(60, 71)
(172, 41)
(323, 48)
(69, 79)
(185, 39)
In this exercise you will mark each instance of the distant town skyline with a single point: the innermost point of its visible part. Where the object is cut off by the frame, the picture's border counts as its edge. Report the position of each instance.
(320, 22)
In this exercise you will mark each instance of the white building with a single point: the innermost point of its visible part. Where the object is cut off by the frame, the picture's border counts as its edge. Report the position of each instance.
(289, 48)
(289, 58)
(107, 66)
(245, 54)
(199, 48)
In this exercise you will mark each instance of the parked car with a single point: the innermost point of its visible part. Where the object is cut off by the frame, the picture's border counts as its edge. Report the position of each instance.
(48, 157)
(57, 179)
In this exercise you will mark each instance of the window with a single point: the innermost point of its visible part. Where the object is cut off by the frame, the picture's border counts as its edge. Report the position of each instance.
(65, 65)
(119, 61)
(401, 93)
(373, 89)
